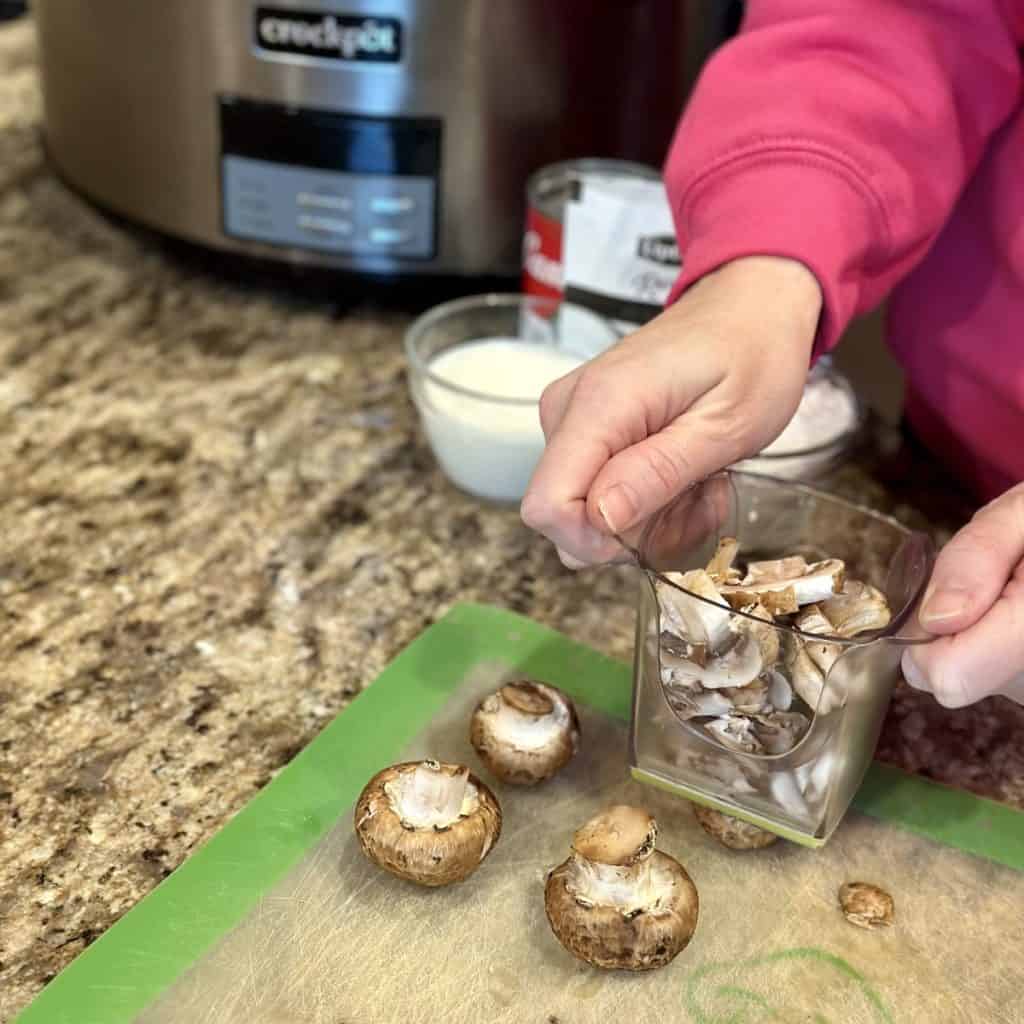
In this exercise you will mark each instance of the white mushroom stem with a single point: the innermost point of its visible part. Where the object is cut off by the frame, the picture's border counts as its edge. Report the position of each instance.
(428, 797)
(527, 732)
(637, 888)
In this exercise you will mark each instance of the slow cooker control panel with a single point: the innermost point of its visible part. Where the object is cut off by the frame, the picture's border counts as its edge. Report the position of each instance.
(330, 181)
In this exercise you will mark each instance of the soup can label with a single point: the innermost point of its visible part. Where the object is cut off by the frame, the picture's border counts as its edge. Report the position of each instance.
(542, 255)
(599, 234)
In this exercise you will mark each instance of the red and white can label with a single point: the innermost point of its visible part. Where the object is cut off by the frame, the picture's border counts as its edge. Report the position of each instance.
(542, 256)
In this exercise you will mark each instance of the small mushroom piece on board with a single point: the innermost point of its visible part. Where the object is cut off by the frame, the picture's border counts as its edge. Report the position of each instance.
(866, 906)
(618, 903)
(734, 833)
(427, 822)
(526, 732)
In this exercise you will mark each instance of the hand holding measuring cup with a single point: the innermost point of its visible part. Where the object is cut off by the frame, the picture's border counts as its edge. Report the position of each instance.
(710, 381)
(974, 606)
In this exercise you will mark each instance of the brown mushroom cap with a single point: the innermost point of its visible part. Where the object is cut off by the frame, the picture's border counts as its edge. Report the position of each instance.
(866, 906)
(455, 822)
(635, 911)
(526, 732)
(619, 836)
(734, 833)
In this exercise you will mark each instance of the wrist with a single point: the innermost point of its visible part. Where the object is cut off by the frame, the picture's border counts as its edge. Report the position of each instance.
(784, 285)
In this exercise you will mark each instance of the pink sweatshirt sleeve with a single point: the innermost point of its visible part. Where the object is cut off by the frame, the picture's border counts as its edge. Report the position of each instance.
(840, 134)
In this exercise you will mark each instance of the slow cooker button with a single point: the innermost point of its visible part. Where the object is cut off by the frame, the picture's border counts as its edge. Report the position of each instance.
(325, 225)
(391, 206)
(324, 201)
(388, 236)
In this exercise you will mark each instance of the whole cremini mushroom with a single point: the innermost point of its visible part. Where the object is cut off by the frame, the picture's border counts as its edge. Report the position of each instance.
(617, 902)
(526, 732)
(428, 822)
(732, 832)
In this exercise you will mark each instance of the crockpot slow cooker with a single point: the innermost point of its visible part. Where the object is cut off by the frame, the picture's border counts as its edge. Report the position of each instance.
(378, 136)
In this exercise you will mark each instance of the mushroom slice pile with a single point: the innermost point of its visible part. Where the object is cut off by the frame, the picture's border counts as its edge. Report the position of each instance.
(427, 822)
(753, 687)
(617, 902)
(526, 732)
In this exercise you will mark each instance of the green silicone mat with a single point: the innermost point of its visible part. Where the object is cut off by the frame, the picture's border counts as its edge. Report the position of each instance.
(167, 932)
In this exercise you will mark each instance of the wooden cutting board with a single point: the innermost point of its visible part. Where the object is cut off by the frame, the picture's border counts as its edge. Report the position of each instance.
(280, 920)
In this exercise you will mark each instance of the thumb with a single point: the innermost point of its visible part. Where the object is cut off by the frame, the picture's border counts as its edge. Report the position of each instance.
(643, 478)
(975, 565)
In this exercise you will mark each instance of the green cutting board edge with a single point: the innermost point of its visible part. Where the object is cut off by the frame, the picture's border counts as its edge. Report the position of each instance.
(136, 959)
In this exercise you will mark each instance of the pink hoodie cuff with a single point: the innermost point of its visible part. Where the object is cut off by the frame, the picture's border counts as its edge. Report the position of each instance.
(806, 206)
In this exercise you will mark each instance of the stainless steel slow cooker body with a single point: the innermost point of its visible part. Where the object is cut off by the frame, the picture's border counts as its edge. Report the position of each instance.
(378, 136)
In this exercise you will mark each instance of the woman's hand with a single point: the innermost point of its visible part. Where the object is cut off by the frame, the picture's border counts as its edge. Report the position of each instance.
(710, 381)
(975, 606)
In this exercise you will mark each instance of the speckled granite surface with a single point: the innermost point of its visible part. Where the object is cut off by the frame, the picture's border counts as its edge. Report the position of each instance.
(218, 522)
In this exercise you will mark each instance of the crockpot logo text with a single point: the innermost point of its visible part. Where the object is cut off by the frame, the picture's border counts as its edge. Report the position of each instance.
(329, 36)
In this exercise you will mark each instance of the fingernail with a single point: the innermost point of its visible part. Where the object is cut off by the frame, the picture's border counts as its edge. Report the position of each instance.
(618, 507)
(944, 604)
(569, 561)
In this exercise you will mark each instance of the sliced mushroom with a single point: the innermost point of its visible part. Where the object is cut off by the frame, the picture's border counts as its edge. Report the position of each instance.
(750, 698)
(786, 585)
(856, 609)
(806, 677)
(739, 665)
(780, 731)
(753, 648)
(724, 770)
(734, 833)
(866, 906)
(786, 792)
(526, 732)
(720, 568)
(780, 693)
(698, 622)
(427, 822)
(618, 903)
(737, 733)
(824, 654)
(692, 701)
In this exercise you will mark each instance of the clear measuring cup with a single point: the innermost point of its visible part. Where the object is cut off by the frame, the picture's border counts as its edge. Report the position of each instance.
(803, 793)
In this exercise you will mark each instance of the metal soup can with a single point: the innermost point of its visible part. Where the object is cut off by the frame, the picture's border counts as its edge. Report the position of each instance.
(599, 233)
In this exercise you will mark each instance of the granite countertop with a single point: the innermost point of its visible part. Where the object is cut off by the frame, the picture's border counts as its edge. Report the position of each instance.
(218, 522)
